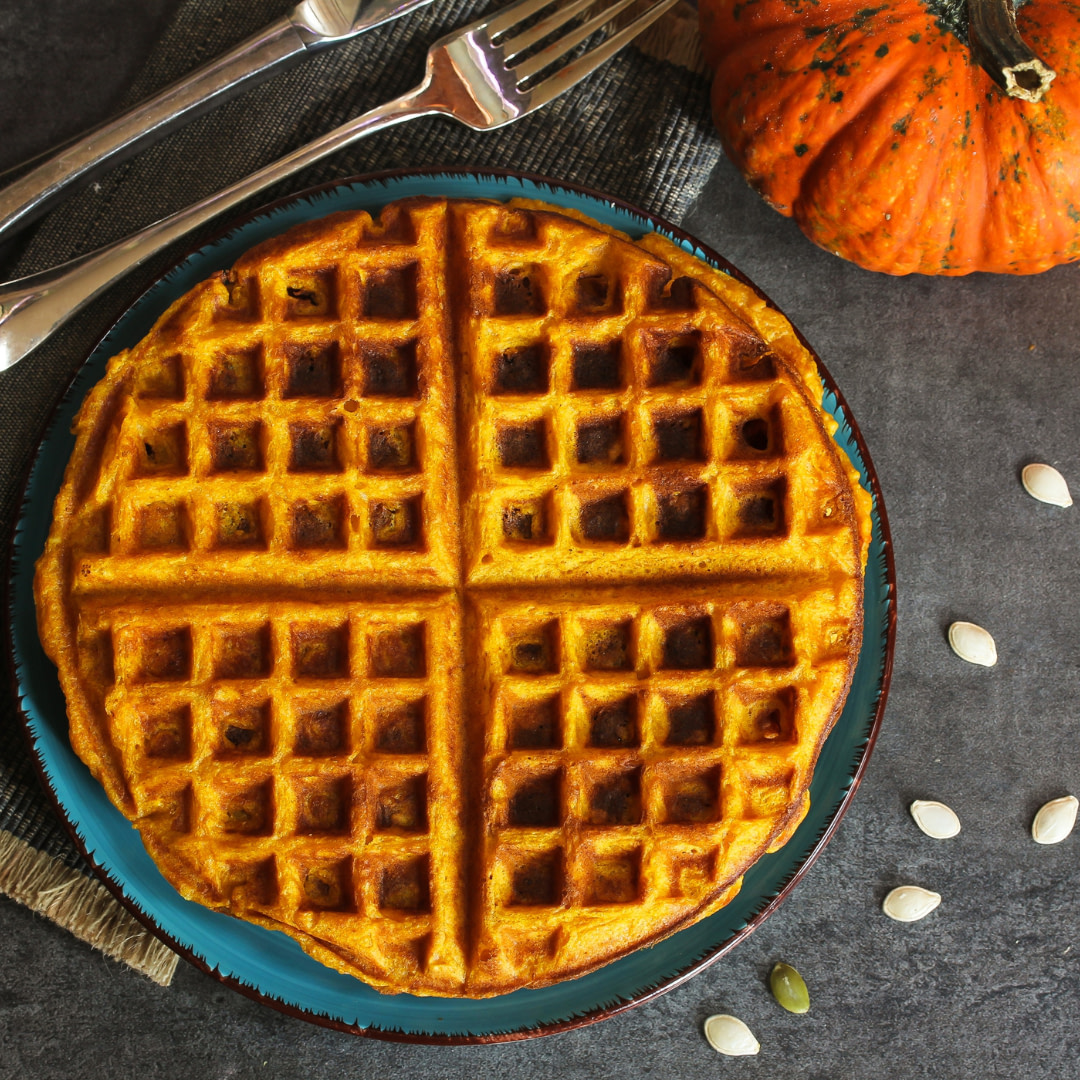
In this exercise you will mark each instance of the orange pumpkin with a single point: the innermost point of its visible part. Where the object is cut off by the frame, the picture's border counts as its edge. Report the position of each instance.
(894, 142)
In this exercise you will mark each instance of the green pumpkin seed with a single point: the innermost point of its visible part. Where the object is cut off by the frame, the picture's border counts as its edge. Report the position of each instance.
(789, 989)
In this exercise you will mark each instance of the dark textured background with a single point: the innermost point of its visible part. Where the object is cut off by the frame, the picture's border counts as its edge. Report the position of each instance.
(956, 384)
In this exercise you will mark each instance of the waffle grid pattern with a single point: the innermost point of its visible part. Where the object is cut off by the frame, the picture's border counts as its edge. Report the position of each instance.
(303, 755)
(634, 749)
(617, 409)
(296, 422)
(297, 733)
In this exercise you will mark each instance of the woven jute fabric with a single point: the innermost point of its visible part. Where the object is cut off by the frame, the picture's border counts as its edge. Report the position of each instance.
(638, 129)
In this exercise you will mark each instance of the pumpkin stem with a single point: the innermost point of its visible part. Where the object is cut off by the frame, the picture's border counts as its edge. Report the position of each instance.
(999, 50)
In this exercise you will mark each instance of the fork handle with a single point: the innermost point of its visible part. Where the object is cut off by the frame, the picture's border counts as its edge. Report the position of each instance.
(256, 58)
(33, 307)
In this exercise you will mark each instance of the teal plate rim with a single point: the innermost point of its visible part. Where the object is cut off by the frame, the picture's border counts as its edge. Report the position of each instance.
(271, 967)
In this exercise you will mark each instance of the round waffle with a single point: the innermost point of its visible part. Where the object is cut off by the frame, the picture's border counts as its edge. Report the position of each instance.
(466, 593)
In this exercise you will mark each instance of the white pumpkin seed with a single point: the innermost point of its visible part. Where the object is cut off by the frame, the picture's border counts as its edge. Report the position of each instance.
(935, 818)
(973, 644)
(909, 903)
(1055, 820)
(729, 1035)
(1045, 483)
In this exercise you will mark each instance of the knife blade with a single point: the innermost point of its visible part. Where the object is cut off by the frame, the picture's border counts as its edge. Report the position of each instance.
(310, 26)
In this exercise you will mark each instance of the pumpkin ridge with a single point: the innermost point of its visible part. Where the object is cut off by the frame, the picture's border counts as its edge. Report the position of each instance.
(1036, 174)
(776, 160)
(1015, 230)
(824, 184)
(973, 186)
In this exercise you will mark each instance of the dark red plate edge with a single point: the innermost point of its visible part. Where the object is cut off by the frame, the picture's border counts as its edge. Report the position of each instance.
(604, 1012)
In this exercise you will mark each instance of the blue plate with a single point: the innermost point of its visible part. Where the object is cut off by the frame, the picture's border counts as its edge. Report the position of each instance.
(271, 966)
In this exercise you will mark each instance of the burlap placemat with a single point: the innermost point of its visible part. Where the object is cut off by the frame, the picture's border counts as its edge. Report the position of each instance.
(638, 129)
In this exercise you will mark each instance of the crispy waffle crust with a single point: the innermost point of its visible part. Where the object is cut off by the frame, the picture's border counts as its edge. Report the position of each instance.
(466, 593)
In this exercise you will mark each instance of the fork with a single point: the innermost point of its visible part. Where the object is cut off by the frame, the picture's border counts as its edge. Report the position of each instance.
(483, 74)
(309, 27)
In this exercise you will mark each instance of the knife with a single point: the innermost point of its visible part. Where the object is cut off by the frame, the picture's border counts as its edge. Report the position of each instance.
(311, 25)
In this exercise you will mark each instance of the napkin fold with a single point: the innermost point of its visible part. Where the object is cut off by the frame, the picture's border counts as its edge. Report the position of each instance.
(638, 129)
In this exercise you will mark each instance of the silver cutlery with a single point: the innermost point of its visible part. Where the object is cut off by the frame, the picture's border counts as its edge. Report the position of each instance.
(310, 26)
(484, 74)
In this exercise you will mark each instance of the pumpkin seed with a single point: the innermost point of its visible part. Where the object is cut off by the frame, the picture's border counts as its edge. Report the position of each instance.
(935, 818)
(909, 903)
(973, 644)
(789, 989)
(1045, 483)
(729, 1035)
(1055, 820)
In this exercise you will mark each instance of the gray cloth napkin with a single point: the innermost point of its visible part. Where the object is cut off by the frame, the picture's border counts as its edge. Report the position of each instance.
(638, 129)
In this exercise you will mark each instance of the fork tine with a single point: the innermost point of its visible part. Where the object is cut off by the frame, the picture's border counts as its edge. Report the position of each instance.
(577, 69)
(548, 55)
(530, 37)
(509, 16)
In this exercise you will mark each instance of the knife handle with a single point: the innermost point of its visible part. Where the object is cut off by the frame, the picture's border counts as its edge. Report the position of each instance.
(256, 58)
(33, 307)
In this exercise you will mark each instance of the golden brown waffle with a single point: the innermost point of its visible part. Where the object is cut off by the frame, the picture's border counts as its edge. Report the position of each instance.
(466, 593)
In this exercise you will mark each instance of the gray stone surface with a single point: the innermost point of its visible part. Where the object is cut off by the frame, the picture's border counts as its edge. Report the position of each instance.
(957, 383)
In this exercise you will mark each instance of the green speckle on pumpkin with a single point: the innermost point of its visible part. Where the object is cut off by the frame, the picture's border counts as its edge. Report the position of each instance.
(915, 38)
(864, 16)
(801, 149)
(881, 51)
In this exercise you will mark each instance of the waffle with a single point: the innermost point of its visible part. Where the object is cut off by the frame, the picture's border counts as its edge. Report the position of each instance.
(465, 592)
